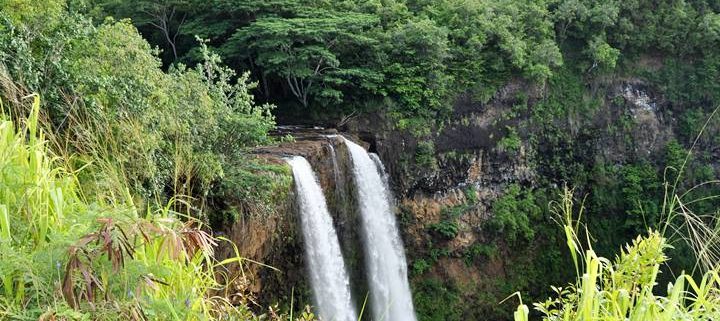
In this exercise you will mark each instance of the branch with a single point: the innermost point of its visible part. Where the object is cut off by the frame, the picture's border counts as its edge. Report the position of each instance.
(317, 68)
(326, 68)
(177, 32)
(292, 88)
(172, 14)
(332, 43)
(345, 119)
(155, 25)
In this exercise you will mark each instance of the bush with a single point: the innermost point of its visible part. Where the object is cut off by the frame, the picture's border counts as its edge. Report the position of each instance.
(158, 133)
(639, 183)
(72, 257)
(471, 195)
(420, 266)
(252, 186)
(511, 143)
(478, 250)
(425, 155)
(98, 182)
(447, 229)
(436, 301)
(624, 288)
(512, 214)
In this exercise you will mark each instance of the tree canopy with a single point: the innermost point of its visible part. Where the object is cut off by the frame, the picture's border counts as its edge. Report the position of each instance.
(413, 57)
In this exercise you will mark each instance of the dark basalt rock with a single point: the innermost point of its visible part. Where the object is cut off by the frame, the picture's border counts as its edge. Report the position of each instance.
(468, 159)
(468, 155)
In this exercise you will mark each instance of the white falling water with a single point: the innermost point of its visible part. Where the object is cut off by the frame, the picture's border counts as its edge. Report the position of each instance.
(336, 169)
(339, 180)
(387, 269)
(328, 277)
(381, 170)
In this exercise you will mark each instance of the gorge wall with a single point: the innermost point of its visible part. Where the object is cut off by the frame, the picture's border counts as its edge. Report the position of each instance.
(473, 195)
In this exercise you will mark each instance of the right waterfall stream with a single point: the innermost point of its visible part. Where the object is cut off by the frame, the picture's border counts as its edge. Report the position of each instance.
(384, 252)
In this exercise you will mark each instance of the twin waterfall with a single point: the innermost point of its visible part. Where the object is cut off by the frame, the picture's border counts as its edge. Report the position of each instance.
(386, 267)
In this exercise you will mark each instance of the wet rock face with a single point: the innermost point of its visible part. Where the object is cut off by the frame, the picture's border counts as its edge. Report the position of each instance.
(464, 143)
(471, 171)
(651, 130)
(470, 160)
(272, 240)
(633, 123)
(467, 151)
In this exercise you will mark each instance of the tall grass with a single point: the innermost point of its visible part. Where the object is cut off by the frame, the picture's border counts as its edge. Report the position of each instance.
(680, 222)
(95, 209)
(625, 288)
(69, 256)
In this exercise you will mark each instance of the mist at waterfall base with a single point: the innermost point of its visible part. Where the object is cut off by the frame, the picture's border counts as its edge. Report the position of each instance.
(384, 252)
(328, 276)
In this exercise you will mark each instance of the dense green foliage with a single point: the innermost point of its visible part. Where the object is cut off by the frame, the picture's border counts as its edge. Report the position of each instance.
(413, 57)
(160, 133)
(624, 288)
(513, 214)
(66, 258)
(339, 57)
(173, 126)
(437, 301)
(106, 184)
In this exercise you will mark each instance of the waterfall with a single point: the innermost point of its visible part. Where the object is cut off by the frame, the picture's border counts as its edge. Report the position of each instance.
(339, 180)
(385, 256)
(381, 170)
(336, 169)
(328, 277)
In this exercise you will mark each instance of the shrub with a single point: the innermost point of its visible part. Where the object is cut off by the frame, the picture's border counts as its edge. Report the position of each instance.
(446, 228)
(623, 289)
(471, 194)
(94, 182)
(512, 214)
(109, 103)
(420, 266)
(254, 186)
(66, 256)
(639, 183)
(436, 301)
(478, 250)
(425, 155)
(511, 143)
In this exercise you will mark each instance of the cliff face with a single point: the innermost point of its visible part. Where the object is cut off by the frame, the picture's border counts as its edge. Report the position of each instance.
(458, 257)
(466, 147)
(472, 196)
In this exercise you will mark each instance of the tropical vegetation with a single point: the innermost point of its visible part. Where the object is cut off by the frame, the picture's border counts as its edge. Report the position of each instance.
(127, 129)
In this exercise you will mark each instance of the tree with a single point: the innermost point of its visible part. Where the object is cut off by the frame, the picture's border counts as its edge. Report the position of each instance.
(166, 16)
(602, 54)
(305, 51)
(418, 52)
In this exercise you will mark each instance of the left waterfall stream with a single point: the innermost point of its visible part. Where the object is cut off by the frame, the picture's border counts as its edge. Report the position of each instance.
(326, 268)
